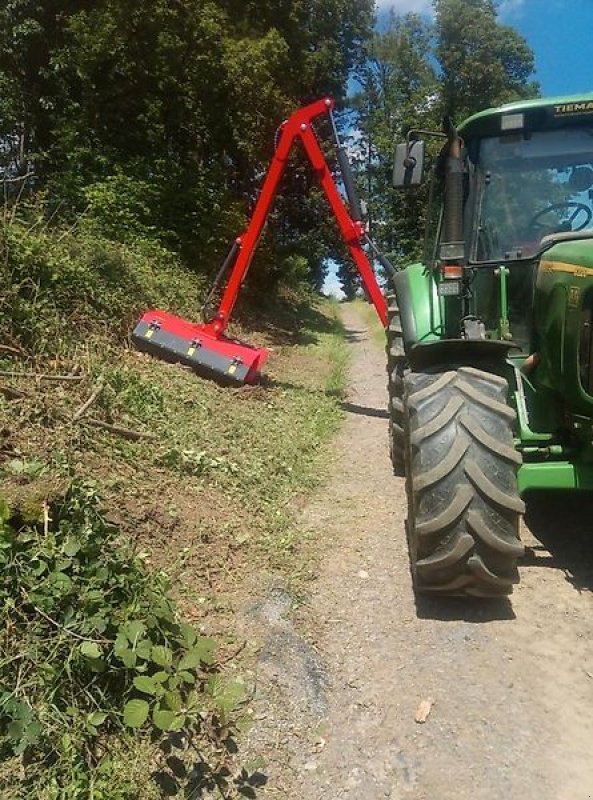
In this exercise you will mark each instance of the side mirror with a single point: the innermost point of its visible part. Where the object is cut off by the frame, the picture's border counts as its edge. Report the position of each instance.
(408, 169)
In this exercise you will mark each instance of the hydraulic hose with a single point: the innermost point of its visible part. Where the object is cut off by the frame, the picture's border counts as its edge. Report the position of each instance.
(347, 176)
(348, 179)
(220, 275)
(382, 258)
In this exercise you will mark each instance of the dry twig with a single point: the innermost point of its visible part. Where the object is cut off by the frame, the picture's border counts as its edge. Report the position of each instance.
(88, 403)
(15, 351)
(118, 430)
(18, 178)
(125, 433)
(234, 654)
(46, 518)
(63, 628)
(42, 377)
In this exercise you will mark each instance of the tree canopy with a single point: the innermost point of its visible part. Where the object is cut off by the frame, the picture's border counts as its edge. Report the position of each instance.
(158, 119)
(482, 62)
(168, 107)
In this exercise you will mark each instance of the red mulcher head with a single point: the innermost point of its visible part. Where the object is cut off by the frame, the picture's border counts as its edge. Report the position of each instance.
(174, 339)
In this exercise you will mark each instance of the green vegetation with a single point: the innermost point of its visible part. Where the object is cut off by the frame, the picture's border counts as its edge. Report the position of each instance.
(112, 112)
(60, 286)
(126, 171)
(132, 143)
(160, 117)
(94, 648)
(484, 63)
(105, 689)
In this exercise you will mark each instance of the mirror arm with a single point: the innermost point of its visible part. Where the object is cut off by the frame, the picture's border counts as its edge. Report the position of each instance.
(414, 134)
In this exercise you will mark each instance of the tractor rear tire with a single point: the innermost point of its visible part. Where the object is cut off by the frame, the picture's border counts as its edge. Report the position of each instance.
(396, 366)
(463, 505)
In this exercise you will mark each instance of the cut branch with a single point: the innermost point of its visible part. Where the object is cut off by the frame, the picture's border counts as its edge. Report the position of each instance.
(125, 433)
(88, 403)
(6, 348)
(42, 377)
(18, 178)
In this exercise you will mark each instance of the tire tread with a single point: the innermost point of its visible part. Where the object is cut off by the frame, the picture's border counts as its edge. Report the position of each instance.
(461, 466)
(396, 363)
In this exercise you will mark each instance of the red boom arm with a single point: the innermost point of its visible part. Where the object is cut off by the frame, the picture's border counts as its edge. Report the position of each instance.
(298, 125)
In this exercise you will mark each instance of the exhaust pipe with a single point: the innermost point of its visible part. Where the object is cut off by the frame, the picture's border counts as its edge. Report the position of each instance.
(453, 216)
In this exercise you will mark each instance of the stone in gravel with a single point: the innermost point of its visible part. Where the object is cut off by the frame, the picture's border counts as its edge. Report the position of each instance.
(424, 710)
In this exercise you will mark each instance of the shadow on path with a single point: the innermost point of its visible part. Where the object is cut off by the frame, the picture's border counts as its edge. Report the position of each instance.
(464, 609)
(353, 335)
(365, 411)
(562, 522)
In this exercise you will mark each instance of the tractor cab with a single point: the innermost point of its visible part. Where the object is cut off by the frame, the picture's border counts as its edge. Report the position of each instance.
(525, 189)
(521, 181)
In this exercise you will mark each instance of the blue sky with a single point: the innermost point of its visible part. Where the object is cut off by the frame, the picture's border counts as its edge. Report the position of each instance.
(559, 32)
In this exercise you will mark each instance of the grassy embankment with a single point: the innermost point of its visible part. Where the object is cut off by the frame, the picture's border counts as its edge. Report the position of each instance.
(369, 315)
(109, 680)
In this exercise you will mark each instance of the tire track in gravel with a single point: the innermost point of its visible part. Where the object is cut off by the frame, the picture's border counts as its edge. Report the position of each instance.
(340, 682)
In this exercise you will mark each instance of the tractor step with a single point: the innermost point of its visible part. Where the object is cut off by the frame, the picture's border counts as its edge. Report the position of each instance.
(174, 339)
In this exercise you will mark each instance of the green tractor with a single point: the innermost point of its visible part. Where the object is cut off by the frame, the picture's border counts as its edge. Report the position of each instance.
(490, 338)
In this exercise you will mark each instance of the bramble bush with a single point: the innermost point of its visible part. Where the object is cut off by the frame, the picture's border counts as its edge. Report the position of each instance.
(92, 649)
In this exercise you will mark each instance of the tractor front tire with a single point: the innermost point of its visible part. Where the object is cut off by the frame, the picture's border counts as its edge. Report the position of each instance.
(463, 505)
(396, 365)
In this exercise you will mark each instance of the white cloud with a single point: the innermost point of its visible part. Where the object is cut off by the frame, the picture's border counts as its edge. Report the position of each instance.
(506, 8)
(509, 8)
(403, 6)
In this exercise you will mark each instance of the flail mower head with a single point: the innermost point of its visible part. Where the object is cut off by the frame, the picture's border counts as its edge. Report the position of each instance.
(199, 346)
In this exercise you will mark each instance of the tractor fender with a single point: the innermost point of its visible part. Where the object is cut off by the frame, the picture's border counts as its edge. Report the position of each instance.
(418, 303)
(422, 329)
(488, 355)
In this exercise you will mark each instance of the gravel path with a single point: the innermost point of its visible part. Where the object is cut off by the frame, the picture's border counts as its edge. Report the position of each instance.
(509, 684)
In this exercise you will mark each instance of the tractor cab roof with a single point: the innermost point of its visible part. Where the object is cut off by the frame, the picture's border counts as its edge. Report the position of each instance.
(541, 113)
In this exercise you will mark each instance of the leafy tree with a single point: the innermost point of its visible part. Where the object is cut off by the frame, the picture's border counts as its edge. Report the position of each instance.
(349, 279)
(182, 96)
(398, 91)
(483, 63)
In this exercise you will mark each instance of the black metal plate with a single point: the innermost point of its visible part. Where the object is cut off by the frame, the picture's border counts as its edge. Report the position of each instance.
(169, 347)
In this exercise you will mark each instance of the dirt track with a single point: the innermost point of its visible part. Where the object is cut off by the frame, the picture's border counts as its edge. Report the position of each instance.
(341, 679)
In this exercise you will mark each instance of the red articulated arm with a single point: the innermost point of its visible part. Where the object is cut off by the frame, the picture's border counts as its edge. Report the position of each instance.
(203, 346)
(299, 125)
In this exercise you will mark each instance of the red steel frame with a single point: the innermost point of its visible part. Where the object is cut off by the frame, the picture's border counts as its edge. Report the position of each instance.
(298, 125)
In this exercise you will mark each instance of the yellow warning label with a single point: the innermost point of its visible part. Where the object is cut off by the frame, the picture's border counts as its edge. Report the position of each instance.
(232, 369)
(191, 351)
(570, 269)
(149, 333)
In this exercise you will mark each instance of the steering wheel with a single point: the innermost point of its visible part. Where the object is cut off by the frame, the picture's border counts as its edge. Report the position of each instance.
(579, 208)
